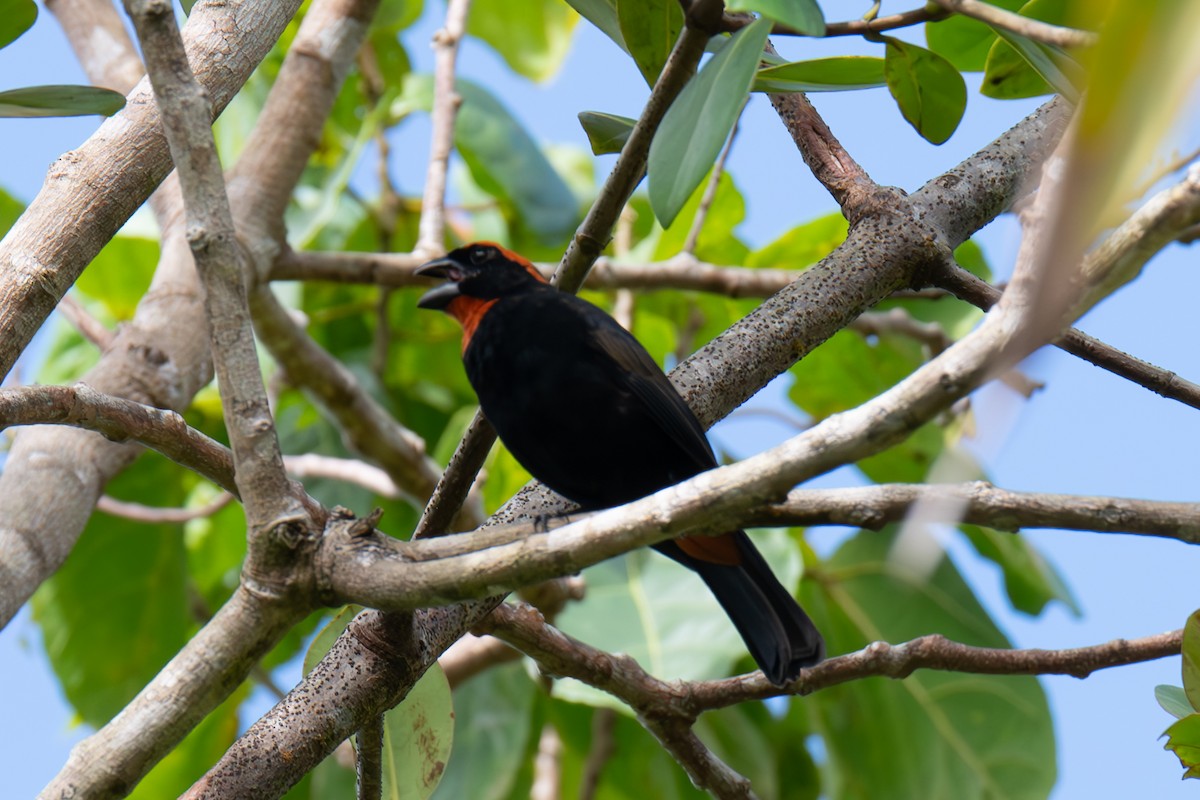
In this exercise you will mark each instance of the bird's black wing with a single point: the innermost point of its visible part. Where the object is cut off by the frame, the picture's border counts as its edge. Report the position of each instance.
(654, 390)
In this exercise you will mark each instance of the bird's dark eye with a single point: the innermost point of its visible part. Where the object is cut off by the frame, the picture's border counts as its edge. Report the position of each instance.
(480, 254)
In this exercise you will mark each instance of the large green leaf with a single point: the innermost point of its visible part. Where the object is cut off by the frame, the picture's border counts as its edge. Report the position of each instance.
(1174, 700)
(934, 735)
(534, 42)
(803, 16)
(651, 608)
(117, 610)
(60, 101)
(1191, 659)
(120, 274)
(504, 159)
(649, 29)
(16, 17)
(700, 119)
(837, 74)
(416, 738)
(930, 92)
(494, 712)
(964, 41)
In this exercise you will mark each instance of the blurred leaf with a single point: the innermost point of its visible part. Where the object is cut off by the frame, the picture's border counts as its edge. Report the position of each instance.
(216, 546)
(638, 767)
(505, 477)
(329, 634)
(16, 17)
(718, 242)
(698, 122)
(803, 16)
(534, 42)
(1191, 659)
(60, 101)
(660, 613)
(120, 274)
(928, 89)
(607, 133)
(117, 611)
(504, 159)
(837, 74)
(964, 41)
(1030, 581)
(494, 714)
(416, 738)
(1174, 700)
(803, 245)
(1019, 67)
(195, 755)
(935, 735)
(1183, 739)
(602, 14)
(394, 16)
(649, 29)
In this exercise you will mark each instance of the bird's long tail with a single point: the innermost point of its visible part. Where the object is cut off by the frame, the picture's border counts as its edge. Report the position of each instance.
(779, 635)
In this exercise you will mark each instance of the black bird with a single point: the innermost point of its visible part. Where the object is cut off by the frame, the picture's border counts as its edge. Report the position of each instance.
(581, 405)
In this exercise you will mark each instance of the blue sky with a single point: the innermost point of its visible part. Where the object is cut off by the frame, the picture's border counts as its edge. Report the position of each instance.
(1087, 432)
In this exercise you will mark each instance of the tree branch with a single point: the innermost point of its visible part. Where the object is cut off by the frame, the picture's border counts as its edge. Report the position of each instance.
(1044, 32)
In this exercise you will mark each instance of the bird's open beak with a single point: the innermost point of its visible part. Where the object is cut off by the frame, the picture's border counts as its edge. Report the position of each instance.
(440, 296)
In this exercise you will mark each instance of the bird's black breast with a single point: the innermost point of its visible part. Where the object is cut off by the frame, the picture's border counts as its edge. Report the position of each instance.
(579, 402)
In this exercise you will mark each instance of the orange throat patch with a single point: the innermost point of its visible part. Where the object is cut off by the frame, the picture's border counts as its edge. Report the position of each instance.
(468, 311)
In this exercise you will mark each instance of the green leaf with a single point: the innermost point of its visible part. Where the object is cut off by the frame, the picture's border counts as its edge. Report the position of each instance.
(803, 245)
(394, 16)
(964, 41)
(16, 17)
(1183, 739)
(660, 613)
(602, 14)
(328, 635)
(649, 29)
(60, 101)
(607, 133)
(803, 16)
(494, 711)
(1030, 581)
(504, 159)
(700, 119)
(120, 274)
(1019, 67)
(982, 736)
(930, 92)
(534, 42)
(1191, 659)
(717, 243)
(838, 74)
(1174, 700)
(638, 767)
(117, 610)
(416, 738)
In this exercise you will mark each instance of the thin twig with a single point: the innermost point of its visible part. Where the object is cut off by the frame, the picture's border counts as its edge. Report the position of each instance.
(88, 326)
(1044, 32)
(854, 27)
(432, 228)
(1162, 382)
(368, 765)
(155, 515)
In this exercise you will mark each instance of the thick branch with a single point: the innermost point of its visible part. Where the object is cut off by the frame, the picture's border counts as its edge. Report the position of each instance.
(93, 190)
(187, 118)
